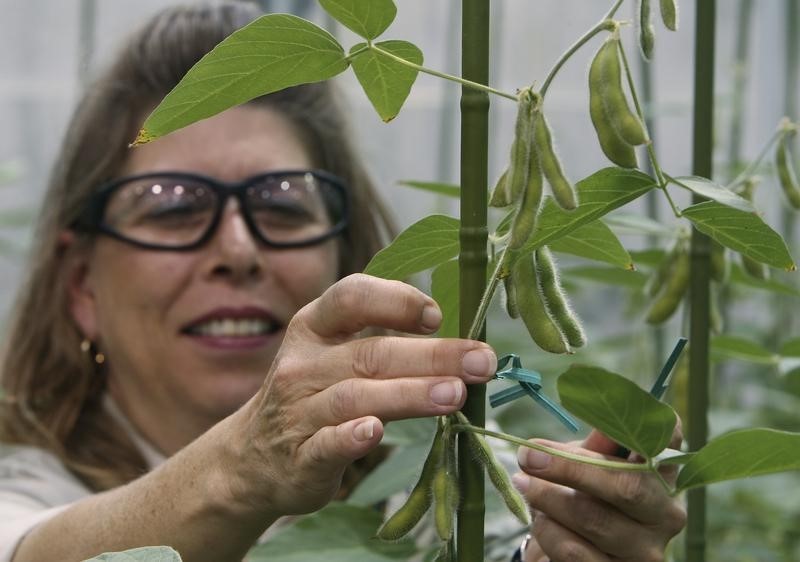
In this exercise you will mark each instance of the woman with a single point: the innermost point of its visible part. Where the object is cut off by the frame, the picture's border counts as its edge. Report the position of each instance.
(183, 367)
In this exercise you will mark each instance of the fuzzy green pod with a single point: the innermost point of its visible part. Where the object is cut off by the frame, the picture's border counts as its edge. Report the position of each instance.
(445, 492)
(501, 195)
(786, 173)
(612, 93)
(669, 14)
(720, 264)
(614, 147)
(525, 219)
(659, 276)
(716, 321)
(647, 33)
(668, 300)
(555, 299)
(512, 309)
(541, 326)
(499, 477)
(519, 164)
(754, 268)
(563, 192)
(419, 500)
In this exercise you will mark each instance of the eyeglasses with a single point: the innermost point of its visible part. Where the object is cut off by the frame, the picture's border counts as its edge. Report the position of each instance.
(181, 211)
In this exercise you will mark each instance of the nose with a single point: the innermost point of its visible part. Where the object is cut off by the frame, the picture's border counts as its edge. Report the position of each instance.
(233, 251)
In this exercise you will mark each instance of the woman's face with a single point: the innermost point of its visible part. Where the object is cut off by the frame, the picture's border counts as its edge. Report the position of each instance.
(178, 327)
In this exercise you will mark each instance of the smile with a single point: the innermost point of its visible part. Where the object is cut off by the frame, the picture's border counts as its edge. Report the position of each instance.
(234, 327)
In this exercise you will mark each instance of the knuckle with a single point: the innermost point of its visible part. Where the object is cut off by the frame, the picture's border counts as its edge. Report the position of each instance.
(344, 399)
(571, 551)
(371, 358)
(675, 520)
(632, 489)
(652, 554)
(349, 292)
(594, 517)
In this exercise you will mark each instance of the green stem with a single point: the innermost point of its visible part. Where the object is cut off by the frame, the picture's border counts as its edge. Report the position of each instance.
(462, 81)
(606, 24)
(748, 171)
(613, 10)
(486, 299)
(616, 465)
(349, 58)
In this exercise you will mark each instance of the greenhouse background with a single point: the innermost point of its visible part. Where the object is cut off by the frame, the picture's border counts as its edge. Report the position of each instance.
(51, 49)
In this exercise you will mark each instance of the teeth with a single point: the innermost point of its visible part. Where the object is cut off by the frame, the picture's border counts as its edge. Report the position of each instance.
(230, 327)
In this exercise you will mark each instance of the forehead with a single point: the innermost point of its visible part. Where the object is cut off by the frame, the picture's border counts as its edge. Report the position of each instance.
(231, 145)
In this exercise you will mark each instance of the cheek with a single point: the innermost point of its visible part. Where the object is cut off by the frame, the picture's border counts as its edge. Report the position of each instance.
(307, 273)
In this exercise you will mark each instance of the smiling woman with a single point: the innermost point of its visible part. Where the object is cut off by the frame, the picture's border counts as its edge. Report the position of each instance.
(182, 326)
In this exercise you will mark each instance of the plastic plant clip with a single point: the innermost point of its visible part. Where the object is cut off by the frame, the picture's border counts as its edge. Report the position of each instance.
(530, 384)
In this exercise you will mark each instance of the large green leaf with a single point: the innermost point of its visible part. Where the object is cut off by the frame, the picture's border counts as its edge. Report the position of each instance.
(423, 245)
(791, 348)
(269, 54)
(740, 454)
(710, 190)
(739, 276)
(447, 189)
(742, 349)
(338, 533)
(618, 408)
(741, 231)
(607, 275)
(594, 241)
(444, 290)
(367, 19)
(386, 81)
(392, 476)
(144, 554)
(625, 222)
(599, 194)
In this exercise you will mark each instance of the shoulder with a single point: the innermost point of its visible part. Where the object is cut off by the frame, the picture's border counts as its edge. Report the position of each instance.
(37, 478)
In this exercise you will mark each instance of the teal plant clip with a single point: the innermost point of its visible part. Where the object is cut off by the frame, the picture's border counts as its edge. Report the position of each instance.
(530, 384)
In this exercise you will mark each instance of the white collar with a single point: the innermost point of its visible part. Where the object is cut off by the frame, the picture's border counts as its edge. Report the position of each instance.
(152, 457)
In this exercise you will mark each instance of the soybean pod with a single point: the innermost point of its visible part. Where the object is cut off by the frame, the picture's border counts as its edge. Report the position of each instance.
(659, 276)
(647, 34)
(525, 219)
(543, 329)
(626, 123)
(754, 268)
(669, 14)
(720, 265)
(501, 196)
(786, 172)
(516, 176)
(612, 144)
(555, 299)
(445, 489)
(511, 297)
(670, 298)
(563, 192)
(419, 500)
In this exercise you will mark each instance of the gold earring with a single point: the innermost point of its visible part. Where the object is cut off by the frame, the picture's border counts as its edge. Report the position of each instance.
(86, 347)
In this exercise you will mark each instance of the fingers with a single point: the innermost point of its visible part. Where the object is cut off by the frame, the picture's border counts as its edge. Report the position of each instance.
(386, 399)
(561, 544)
(360, 301)
(638, 494)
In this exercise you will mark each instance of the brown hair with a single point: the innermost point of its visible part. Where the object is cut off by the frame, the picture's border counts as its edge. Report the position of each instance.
(52, 388)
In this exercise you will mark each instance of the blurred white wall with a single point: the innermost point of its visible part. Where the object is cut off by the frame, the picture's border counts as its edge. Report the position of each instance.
(42, 59)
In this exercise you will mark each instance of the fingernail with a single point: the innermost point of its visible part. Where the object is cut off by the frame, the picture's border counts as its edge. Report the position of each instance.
(431, 317)
(521, 482)
(364, 431)
(446, 393)
(532, 459)
(479, 363)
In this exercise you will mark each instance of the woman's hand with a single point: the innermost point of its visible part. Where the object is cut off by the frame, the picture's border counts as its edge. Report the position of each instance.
(327, 393)
(584, 513)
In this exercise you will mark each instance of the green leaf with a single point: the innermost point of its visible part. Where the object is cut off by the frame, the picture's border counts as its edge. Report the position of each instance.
(386, 81)
(599, 194)
(741, 454)
(338, 533)
(594, 241)
(367, 19)
(710, 190)
(269, 54)
(444, 290)
(741, 231)
(607, 275)
(618, 408)
(409, 432)
(742, 349)
(638, 224)
(791, 348)
(434, 187)
(394, 475)
(423, 245)
(739, 276)
(144, 554)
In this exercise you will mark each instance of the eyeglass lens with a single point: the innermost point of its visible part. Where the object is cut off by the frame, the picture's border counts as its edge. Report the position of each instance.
(176, 211)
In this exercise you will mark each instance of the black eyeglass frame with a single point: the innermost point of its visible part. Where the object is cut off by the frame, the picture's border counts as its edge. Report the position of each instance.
(91, 219)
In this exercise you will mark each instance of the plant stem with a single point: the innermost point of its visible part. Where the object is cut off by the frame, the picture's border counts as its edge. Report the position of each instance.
(616, 465)
(613, 10)
(462, 81)
(486, 299)
(606, 24)
(748, 171)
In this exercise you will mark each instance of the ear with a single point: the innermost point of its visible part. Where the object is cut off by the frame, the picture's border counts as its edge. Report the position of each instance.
(80, 294)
